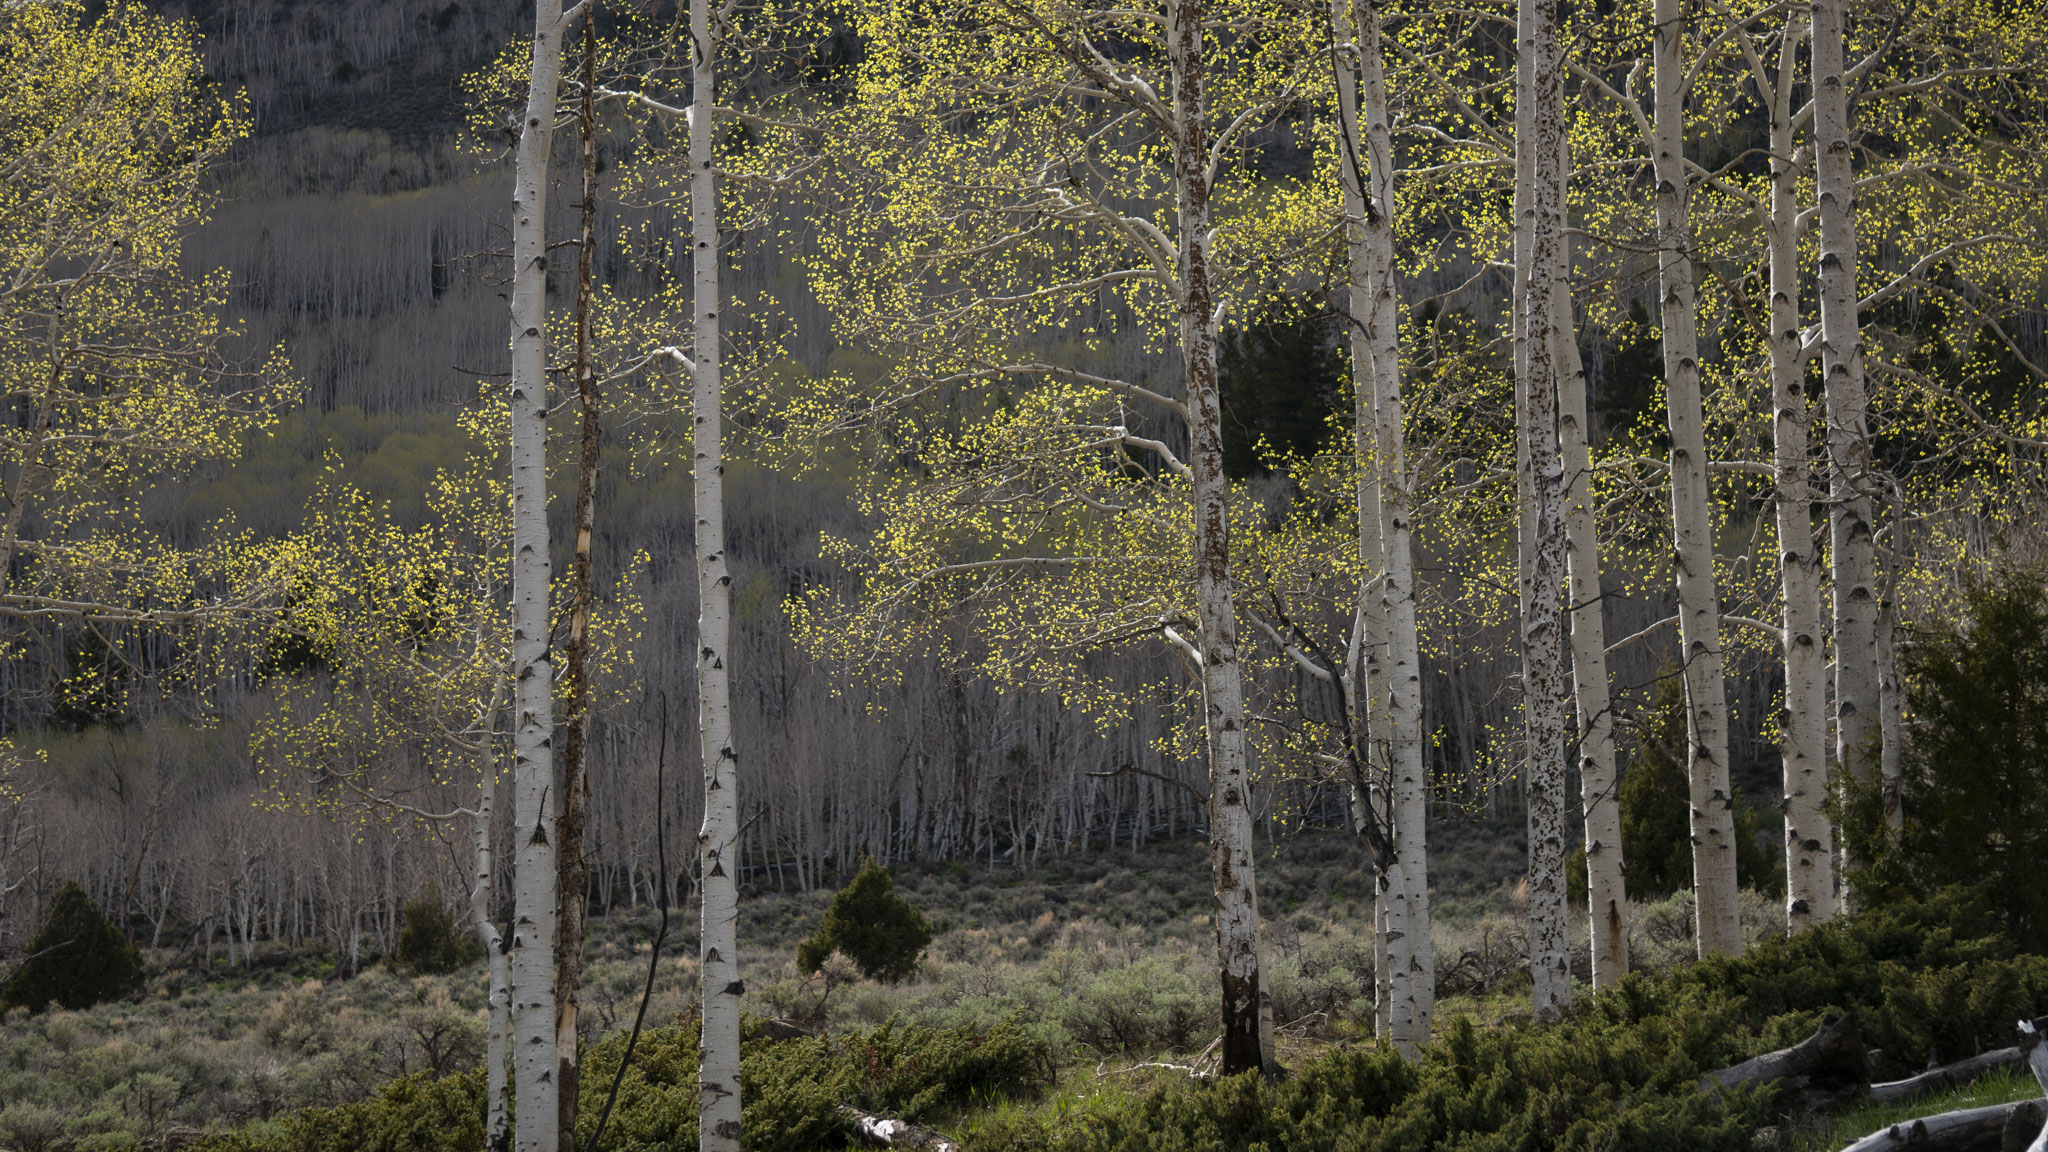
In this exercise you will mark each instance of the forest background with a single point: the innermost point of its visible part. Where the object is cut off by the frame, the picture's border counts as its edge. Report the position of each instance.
(358, 234)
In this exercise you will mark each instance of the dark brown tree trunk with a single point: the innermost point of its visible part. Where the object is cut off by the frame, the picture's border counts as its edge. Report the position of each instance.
(575, 654)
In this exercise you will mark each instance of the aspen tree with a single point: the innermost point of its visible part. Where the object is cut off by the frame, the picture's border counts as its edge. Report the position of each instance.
(1546, 689)
(408, 629)
(1068, 155)
(718, 1068)
(1809, 833)
(1592, 692)
(1393, 952)
(1852, 557)
(536, 1083)
(1387, 496)
(1712, 811)
(115, 363)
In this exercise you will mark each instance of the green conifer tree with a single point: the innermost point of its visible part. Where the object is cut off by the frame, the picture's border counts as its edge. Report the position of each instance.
(78, 959)
(881, 931)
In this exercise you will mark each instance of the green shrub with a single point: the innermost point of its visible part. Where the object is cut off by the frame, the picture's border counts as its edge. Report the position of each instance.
(1925, 979)
(77, 960)
(791, 1090)
(869, 922)
(1973, 793)
(429, 940)
(416, 1113)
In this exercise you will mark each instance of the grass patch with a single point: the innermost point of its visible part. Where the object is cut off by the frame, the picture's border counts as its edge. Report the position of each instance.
(2006, 1085)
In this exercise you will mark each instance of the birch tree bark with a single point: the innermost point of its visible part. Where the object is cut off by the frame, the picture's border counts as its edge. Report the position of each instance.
(1699, 613)
(1230, 820)
(1408, 780)
(532, 955)
(1600, 805)
(718, 1069)
(1546, 688)
(1809, 834)
(1852, 556)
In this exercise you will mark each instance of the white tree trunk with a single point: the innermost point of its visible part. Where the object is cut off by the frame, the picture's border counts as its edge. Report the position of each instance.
(497, 1121)
(1546, 688)
(1891, 702)
(1230, 821)
(1369, 640)
(1852, 554)
(718, 1075)
(1401, 686)
(532, 954)
(1802, 742)
(1699, 612)
(1600, 804)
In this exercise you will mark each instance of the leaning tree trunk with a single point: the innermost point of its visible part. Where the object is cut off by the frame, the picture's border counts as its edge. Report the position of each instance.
(1401, 686)
(1599, 781)
(498, 999)
(1546, 685)
(576, 652)
(718, 1076)
(1699, 612)
(1393, 998)
(1852, 552)
(532, 958)
(1230, 821)
(1606, 893)
(1802, 741)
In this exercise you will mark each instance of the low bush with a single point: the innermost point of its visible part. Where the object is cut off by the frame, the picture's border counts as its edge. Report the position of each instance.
(1929, 980)
(791, 1090)
(416, 1113)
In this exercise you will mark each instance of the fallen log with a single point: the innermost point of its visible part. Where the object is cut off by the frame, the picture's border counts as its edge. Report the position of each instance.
(885, 1132)
(1967, 1130)
(2037, 1062)
(1946, 1076)
(1825, 1068)
(2022, 1126)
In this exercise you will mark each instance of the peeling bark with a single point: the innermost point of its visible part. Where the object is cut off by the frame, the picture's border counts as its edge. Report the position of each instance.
(575, 653)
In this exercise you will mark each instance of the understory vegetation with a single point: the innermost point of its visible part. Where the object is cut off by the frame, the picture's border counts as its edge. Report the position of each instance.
(1028, 1023)
(1931, 981)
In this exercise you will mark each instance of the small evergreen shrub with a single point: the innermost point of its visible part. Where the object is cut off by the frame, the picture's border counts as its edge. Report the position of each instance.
(78, 959)
(1973, 795)
(868, 921)
(429, 940)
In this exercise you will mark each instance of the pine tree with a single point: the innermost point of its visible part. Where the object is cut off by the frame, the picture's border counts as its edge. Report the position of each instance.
(78, 959)
(874, 926)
